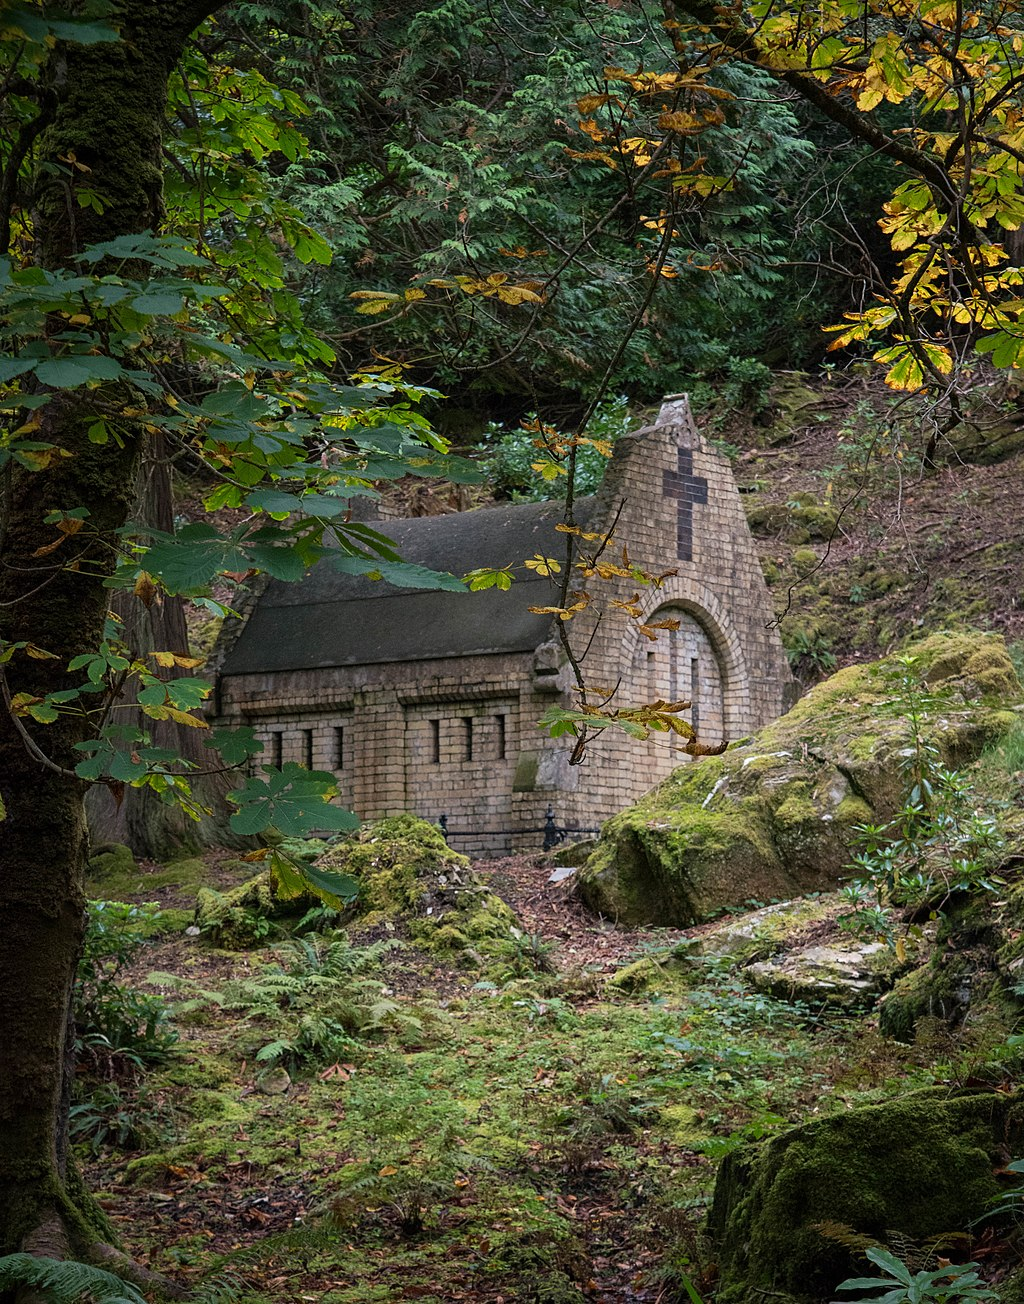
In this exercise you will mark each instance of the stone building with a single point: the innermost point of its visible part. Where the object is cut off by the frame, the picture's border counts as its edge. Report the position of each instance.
(428, 701)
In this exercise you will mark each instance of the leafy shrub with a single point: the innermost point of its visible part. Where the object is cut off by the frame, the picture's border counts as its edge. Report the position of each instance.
(118, 1116)
(118, 1029)
(938, 843)
(944, 1285)
(509, 455)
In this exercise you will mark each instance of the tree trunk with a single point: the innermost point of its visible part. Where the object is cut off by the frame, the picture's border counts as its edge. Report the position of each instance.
(109, 114)
(157, 830)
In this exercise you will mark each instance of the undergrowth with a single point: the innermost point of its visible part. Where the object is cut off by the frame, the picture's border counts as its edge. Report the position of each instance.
(509, 1136)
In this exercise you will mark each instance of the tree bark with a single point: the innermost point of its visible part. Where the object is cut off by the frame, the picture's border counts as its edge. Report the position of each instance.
(109, 114)
(153, 829)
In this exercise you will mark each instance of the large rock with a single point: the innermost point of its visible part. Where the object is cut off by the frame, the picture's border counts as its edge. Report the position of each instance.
(977, 964)
(409, 879)
(773, 818)
(786, 1211)
(796, 951)
(408, 875)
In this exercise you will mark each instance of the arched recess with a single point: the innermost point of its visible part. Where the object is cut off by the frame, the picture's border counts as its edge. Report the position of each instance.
(702, 661)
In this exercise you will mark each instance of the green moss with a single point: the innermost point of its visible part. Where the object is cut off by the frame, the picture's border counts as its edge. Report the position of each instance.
(184, 871)
(1011, 1289)
(920, 1166)
(767, 518)
(670, 969)
(797, 808)
(818, 521)
(239, 918)
(407, 873)
(114, 874)
(852, 811)
(980, 657)
(113, 862)
(804, 559)
(682, 1121)
(929, 992)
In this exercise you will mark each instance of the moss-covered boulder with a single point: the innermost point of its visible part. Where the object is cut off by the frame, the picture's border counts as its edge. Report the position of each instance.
(976, 969)
(408, 878)
(244, 916)
(110, 861)
(408, 875)
(773, 817)
(921, 1166)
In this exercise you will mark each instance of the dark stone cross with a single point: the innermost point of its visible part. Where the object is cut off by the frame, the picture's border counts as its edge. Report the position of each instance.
(687, 489)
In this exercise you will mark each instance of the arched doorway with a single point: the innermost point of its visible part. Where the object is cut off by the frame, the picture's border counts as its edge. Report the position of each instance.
(682, 665)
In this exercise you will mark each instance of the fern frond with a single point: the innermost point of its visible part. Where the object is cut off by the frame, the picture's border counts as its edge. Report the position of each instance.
(274, 1050)
(844, 1235)
(65, 1281)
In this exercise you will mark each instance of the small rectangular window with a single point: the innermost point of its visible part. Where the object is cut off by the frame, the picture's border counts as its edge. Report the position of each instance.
(275, 749)
(339, 747)
(307, 748)
(435, 741)
(499, 721)
(467, 726)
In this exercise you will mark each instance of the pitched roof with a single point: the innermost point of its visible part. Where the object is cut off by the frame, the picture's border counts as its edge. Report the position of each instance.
(330, 619)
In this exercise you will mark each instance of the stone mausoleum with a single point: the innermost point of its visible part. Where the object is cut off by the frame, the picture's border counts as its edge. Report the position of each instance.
(428, 702)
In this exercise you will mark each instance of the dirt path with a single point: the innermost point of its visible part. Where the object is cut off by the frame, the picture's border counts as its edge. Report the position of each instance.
(582, 941)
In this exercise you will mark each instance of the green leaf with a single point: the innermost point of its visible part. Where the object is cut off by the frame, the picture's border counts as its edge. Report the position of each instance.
(191, 558)
(11, 367)
(403, 574)
(279, 560)
(77, 369)
(158, 304)
(292, 798)
(290, 879)
(234, 745)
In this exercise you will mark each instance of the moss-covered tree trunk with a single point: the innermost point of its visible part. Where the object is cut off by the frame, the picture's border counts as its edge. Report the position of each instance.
(108, 114)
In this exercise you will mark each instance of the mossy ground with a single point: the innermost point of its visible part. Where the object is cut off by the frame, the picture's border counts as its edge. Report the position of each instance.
(533, 1136)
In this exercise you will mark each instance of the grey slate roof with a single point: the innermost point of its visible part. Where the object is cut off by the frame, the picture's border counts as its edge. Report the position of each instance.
(329, 619)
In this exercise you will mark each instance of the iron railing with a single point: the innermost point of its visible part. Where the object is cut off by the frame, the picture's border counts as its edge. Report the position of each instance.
(554, 834)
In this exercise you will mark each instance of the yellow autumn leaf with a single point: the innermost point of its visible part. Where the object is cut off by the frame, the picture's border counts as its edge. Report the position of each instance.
(588, 103)
(542, 565)
(172, 713)
(145, 588)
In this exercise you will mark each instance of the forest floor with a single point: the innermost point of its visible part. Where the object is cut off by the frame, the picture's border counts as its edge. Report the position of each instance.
(356, 1121)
